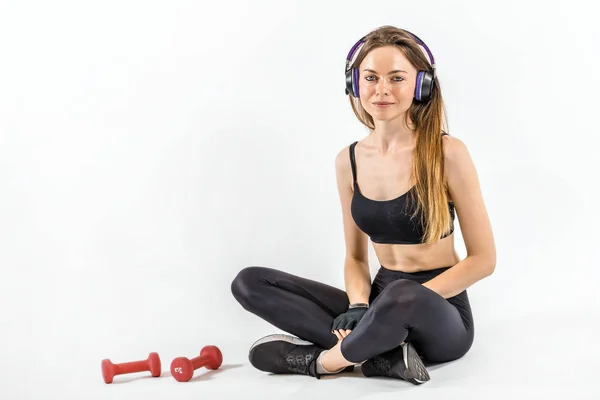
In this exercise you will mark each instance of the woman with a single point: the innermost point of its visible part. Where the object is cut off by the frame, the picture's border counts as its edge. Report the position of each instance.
(400, 186)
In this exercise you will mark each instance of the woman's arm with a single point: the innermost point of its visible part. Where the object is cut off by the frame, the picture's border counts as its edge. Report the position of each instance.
(358, 280)
(356, 265)
(474, 223)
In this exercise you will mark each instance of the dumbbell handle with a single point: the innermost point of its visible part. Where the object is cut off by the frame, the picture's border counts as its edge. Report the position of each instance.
(133, 366)
(200, 361)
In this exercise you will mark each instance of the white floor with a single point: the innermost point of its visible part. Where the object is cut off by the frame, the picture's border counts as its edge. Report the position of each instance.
(532, 357)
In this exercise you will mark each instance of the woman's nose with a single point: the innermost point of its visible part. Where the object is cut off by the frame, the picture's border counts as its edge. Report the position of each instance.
(383, 86)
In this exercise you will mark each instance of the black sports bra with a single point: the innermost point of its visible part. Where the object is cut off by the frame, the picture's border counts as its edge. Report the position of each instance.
(388, 221)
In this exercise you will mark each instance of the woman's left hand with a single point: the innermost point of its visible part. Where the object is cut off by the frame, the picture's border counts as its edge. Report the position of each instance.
(342, 333)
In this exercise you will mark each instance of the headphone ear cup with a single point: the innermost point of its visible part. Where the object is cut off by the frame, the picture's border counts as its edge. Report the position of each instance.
(423, 86)
(349, 85)
(352, 82)
(355, 82)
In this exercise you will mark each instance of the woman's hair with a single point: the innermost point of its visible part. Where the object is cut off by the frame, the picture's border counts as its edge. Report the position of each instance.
(428, 119)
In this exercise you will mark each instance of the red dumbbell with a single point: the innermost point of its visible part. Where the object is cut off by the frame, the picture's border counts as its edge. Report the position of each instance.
(110, 370)
(183, 369)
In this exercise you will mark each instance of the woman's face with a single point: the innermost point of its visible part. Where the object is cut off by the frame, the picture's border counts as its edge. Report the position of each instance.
(386, 75)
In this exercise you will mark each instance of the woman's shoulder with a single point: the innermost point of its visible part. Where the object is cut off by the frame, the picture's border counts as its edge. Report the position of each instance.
(342, 158)
(453, 147)
(343, 164)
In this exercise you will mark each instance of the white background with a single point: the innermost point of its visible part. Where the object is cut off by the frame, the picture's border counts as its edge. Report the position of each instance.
(151, 150)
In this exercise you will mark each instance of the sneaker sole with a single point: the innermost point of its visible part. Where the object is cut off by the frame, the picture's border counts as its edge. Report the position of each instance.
(280, 337)
(415, 369)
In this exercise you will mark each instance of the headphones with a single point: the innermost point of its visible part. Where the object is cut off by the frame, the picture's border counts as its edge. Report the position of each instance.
(424, 78)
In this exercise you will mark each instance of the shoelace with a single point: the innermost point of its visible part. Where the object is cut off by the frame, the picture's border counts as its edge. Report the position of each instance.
(298, 361)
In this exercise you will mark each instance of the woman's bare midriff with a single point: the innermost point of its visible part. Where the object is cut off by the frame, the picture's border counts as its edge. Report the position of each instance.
(417, 257)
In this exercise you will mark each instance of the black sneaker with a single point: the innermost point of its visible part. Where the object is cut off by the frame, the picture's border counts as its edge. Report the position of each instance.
(285, 354)
(404, 364)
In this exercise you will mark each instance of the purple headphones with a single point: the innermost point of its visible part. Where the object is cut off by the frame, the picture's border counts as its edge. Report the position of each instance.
(424, 78)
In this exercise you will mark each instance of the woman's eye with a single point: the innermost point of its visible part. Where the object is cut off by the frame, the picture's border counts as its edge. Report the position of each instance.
(396, 78)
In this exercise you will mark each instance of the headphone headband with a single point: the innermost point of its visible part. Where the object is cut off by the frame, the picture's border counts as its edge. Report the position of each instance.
(415, 37)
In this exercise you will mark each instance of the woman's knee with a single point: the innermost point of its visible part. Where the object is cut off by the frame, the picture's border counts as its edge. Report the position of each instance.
(246, 284)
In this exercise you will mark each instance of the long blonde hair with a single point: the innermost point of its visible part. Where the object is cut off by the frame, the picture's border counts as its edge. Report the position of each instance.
(429, 120)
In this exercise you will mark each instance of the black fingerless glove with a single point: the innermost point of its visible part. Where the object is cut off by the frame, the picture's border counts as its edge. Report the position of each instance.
(349, 319)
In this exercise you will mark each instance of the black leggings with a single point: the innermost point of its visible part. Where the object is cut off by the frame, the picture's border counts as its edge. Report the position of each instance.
(401, 309)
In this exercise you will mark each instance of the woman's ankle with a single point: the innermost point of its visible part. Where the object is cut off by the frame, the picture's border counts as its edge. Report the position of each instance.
(321, 369)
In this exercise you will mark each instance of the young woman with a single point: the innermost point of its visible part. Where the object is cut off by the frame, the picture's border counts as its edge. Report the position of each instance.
(402, 187)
